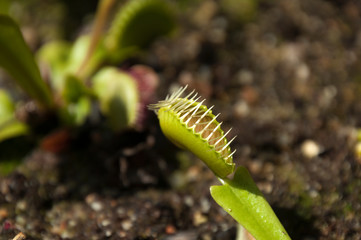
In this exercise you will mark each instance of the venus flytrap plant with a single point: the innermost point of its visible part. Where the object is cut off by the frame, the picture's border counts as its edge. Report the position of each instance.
(75, 75)
(191, 125)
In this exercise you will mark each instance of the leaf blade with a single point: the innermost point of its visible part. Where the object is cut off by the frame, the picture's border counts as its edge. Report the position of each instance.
(241, 198)
(136, 25)
(17, 59)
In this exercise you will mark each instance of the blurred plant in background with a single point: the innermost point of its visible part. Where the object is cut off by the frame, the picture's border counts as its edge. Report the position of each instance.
(74, 79)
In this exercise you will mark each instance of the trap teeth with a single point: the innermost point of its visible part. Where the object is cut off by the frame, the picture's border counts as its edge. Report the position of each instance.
(191, 125)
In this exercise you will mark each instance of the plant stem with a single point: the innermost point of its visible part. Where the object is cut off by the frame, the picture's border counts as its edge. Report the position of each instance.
(100, 19)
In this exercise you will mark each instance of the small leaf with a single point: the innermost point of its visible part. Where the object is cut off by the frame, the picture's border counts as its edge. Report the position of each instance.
(118, 96)
(9, 125)
(74, 89)
(77, 112)
(241, 198)
(53, 56)
(137, 24)
(79, 52)
(6, 105)
(17, 59)
(12, 128)
(76, 97)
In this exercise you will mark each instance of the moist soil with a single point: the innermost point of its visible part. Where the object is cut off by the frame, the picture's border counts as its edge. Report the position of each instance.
(287, 81)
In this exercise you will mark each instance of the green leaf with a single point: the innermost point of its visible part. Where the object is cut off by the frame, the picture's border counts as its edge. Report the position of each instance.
(9, 125)
(118, 96)
(7, 167)
(79, 52)
(17, 59)
(74, 89)
(4, 6)
(77, 103)
(12, 128)
(77, 112)
(137, 24)
(242, 199)
(54, 56)
(242, 11)
(6, 105)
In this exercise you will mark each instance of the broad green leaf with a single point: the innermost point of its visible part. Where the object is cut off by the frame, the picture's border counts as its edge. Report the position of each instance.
(242, 199)
(118, 96)
(137, 24)
(9, 125)
(17, 59)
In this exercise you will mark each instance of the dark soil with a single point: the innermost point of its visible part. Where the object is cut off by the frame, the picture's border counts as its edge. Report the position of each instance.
(288, 82)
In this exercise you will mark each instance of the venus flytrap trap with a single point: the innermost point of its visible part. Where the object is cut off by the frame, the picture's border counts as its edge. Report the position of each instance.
(191, 125)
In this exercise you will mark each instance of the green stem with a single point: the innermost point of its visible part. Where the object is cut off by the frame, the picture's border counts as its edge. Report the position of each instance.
(100, 19)
(242, 199)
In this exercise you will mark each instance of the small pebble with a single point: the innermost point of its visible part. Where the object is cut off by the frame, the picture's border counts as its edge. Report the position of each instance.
(205, 13)
(21, 205)
(302, 72)
(170, 229)
(205, 205)
(127, 225)
(96, 206)
(188, 200)
(310, 149)
(241, 109)
(3, 213)
(265, 187)
(72, 223)
(108, 233)
(244, 77)
(106, 222)
(255, 166)
(19, 236)
(20, 220)
(313, 194)
(122, 234)
(120, 211)
(199, 218)
(206, 236)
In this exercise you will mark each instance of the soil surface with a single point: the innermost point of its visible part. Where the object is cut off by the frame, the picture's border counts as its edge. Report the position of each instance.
(287, 80)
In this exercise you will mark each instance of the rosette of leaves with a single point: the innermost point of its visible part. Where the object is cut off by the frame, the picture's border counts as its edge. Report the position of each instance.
(64, 86)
